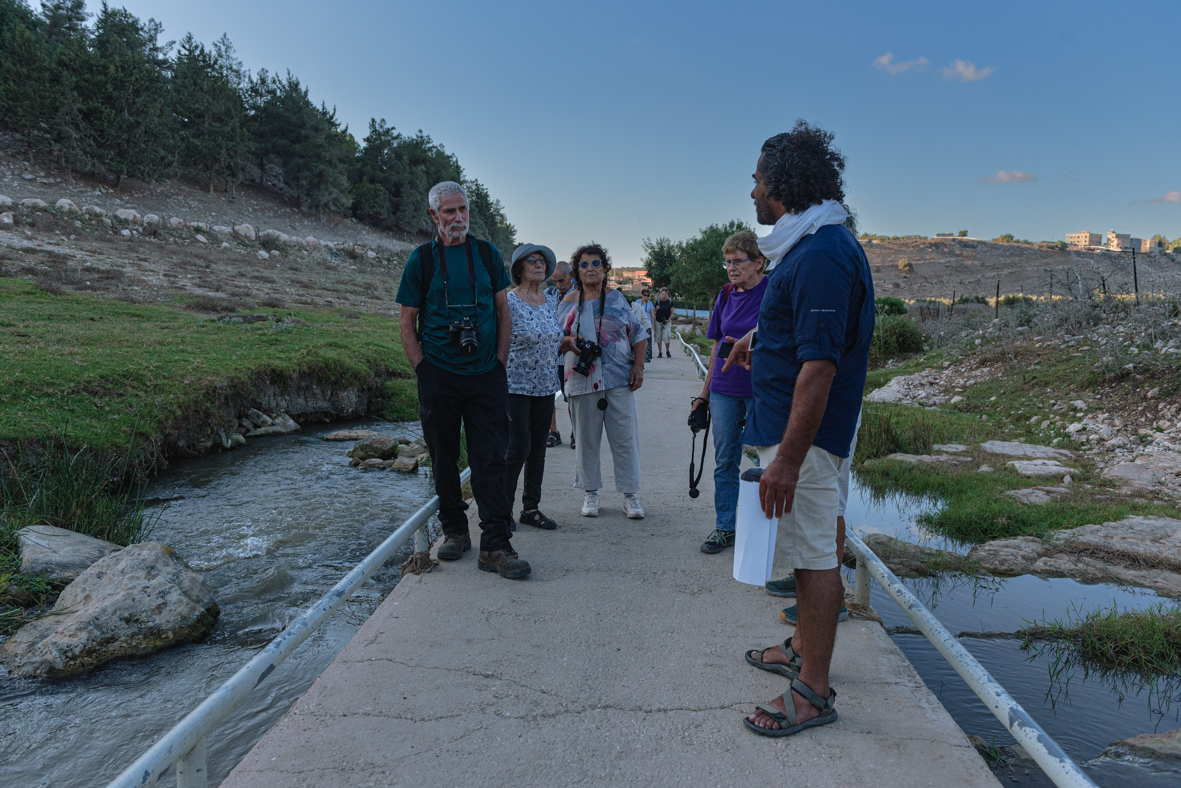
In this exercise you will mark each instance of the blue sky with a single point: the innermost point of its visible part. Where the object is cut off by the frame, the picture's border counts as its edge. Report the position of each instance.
(616, 121)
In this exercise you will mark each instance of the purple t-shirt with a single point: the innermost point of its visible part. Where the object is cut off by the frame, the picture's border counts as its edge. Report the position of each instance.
(739, 315)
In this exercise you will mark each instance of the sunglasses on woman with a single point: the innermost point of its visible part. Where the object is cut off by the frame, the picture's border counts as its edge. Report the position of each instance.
(589, 263)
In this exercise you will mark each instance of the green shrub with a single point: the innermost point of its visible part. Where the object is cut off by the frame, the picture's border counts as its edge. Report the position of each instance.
(978, 299)
(894, 335)
(905, 265)
(888, 305)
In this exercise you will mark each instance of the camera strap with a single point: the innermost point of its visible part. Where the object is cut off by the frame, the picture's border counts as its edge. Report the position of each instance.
(471, 273)
(700, 469)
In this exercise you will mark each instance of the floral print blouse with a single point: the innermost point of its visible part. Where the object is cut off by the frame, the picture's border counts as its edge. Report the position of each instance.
(533, 353)
(618, 329)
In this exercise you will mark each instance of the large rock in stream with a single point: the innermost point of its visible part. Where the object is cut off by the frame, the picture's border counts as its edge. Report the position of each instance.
(377, 447)
(139, 600)
(1148, 747)
(62, 555)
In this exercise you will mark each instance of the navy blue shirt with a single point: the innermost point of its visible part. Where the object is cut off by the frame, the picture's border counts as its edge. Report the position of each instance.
(818, 305)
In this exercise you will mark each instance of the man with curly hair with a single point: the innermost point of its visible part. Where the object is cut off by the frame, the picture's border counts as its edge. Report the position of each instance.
(815, 325)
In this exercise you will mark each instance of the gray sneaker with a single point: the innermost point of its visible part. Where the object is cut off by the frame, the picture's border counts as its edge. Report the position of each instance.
(718, 541)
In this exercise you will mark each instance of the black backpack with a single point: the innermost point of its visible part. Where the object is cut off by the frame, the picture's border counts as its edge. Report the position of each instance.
(426, 264)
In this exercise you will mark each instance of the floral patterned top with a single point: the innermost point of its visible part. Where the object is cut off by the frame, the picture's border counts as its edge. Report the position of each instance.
(534, 349)
(618, 329)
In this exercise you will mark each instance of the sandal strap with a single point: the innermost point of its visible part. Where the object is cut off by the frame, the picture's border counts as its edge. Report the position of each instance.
(794, 658)
(807, 693)
(784, 720)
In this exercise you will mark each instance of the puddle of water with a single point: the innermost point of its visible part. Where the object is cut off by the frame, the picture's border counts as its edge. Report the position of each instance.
(272, 526)
(1084, 714)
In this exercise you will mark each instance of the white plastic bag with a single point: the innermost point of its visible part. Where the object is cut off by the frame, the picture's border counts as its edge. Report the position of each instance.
(754, 538)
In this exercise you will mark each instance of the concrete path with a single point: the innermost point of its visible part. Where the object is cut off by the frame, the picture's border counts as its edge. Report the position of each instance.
(618, 663)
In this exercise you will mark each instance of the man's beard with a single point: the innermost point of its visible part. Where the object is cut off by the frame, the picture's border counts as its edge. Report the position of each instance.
(763, 213)
(456, 230)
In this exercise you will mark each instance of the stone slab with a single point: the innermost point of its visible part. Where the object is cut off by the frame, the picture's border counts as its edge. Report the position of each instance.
(61, 554)
(1030, 450)
(618, 663)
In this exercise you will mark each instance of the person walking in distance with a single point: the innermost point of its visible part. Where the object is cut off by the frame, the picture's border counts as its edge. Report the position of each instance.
(562, 280)
(455, 327)
(728, 394)
(536, 338)
(648, 311)
(662, 323)
(604, 344)
(807, 374)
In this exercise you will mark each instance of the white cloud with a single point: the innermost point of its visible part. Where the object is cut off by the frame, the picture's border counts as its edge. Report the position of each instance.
(1016, 176)
(966, 71)
(1173, 197)
(886, 63)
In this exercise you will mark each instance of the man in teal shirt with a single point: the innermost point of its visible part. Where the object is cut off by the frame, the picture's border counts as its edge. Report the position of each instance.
(455, 328)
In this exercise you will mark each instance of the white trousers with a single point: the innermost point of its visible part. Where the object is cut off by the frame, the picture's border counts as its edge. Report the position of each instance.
(622, 427)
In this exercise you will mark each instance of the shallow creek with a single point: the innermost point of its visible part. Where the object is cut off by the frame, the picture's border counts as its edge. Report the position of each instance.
(272, 526)
(1083, 714)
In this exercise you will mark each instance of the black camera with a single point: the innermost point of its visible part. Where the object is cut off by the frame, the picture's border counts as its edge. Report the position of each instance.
(463, 331)
(724, 349)
(699, 418)
(587, 353)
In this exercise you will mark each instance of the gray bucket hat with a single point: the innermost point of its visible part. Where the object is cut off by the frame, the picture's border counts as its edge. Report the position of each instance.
(523, 251)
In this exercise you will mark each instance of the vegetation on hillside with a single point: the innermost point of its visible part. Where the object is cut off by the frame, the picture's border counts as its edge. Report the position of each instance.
(112, 100)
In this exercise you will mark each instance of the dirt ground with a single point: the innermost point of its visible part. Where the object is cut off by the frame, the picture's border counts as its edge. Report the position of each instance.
(160, 262)
(973, 267)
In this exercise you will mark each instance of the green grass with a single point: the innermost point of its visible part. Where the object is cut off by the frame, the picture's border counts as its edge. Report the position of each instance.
(973, 506)
(107, 373)
(1145, 642)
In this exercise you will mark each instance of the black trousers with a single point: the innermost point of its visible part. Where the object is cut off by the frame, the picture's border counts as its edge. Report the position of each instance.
(478, 404)
(526, 448)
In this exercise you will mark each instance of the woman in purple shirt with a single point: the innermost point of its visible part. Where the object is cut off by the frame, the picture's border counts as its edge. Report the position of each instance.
(728, 394)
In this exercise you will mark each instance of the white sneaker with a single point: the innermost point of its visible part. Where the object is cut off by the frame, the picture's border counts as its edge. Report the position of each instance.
(631, 506)
(590, 506)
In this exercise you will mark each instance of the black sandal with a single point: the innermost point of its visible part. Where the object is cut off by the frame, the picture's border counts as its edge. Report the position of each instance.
(788, 723)
(795, 662)
(554, 439)
(538, 520)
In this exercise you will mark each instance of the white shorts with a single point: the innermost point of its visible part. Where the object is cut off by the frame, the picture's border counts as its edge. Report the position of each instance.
(846, 466)
(662, 333)
(807, 535)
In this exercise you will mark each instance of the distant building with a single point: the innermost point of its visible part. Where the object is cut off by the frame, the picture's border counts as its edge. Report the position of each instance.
(1111, 242)
(1149, 245)
(1084, 240)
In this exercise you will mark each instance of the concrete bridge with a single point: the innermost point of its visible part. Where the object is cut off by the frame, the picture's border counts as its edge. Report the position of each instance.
(620, 662)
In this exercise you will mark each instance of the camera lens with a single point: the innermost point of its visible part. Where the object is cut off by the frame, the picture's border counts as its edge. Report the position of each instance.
(603, 404)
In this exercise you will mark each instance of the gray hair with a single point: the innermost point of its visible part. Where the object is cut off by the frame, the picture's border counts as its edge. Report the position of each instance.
(563, 268)
(441, 190)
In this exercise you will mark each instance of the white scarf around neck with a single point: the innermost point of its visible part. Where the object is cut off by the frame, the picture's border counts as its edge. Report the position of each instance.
(791, 227)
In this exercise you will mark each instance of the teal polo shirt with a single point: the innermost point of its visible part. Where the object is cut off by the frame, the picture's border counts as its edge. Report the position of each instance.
(436, 338)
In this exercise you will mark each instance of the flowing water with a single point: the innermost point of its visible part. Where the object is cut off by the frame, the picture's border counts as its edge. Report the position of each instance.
(1083, 713)
(272, 526)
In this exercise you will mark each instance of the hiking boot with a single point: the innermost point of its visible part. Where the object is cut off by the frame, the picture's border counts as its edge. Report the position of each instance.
(783, 588)
(590, 505)
(631, 506)
(718, 541)
(504, 562)
(454, 547)
(790, 615)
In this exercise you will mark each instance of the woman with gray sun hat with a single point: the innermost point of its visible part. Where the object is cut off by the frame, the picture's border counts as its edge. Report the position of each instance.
(535, 340)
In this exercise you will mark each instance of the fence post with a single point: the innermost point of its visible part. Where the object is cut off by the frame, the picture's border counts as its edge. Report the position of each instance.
(421, 545)
(998, 299)
(192, 769)
(1135, 277)
(861, 583)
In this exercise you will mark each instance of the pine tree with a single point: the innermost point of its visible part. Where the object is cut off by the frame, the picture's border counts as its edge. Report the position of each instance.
(25, 75)
(126, 92)
(208, 112)
(68, 41)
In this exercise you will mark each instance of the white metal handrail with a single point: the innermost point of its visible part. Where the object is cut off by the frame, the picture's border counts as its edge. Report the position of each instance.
(692, 351)
(1057, 765)
(184, 746)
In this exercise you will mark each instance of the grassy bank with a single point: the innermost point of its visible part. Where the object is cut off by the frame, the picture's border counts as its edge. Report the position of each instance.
(1144, 642)
(104, 373)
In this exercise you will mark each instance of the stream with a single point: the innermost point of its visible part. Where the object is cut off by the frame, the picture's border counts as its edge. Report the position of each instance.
(275, 524)
(272, 526)
(1084, 714)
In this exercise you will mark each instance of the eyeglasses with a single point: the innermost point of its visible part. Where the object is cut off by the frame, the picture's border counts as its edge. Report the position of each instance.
(532, 260)
(589, 263)
(728, 264)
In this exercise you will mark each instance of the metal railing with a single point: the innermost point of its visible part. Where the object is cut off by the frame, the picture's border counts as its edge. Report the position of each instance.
(692, 351)
(184, 746)
(1057, 765)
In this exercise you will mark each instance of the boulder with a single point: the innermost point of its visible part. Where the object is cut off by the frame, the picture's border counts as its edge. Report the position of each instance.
(1146, 470)
(954, 448)
(412, 450)
(263, 254)
(126, 215)
(1147, 747)
(61, 554)
(245, 232)
(259, 418)
(1040, 468)
(5, 201)
(912, 560)
(91, 210)
(402, 465)
(311, 241)
(280, 425)
(6, 219)
(891, 392)
(1148, 541)
(66, 206)
(347, 435)
(378, 446)
(221, 229)
(139, 600)
(34, 204)
(151, 219)
(225, 245)
(929, 459)
(177, 223)
(1031, 450)
(1017, 556)
(1038, 495)
(237, 440)
(125, 233)
(373, 463)
(202, 239)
